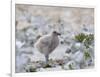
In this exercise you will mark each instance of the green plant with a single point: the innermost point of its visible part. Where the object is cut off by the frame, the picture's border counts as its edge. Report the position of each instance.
(47, 66)
(86, 55)
(80, 37)
(70, 66)
(86, 39)
(32, 69)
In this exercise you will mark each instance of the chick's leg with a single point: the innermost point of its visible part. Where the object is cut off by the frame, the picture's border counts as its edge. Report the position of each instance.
(47, 58)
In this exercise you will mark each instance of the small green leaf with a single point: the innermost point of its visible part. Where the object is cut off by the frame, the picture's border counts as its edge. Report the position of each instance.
(70, 66)
(87, 55)
(32, 70)
(47, 66)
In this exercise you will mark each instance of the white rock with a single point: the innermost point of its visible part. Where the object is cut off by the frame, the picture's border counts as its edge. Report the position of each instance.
(19, 44)
(20, 62)
(75, 47)
(78, 56)
(71, 65)
(41, 69)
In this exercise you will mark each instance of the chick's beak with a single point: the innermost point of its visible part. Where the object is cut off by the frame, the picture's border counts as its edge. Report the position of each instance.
(58, 34)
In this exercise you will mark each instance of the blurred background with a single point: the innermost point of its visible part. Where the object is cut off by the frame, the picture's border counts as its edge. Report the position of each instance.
(76, 48)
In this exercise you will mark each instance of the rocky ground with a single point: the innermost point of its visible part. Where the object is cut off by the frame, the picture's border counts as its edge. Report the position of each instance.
(76, 46)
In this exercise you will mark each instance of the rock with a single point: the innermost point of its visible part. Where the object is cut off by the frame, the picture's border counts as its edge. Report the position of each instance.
(41, 69)
(78, 57)
(89, 62)
(21, 61)
(71, 65)
(75, 47)
(19, 44)
(31, 68)
(68, 50)
(26, 50)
